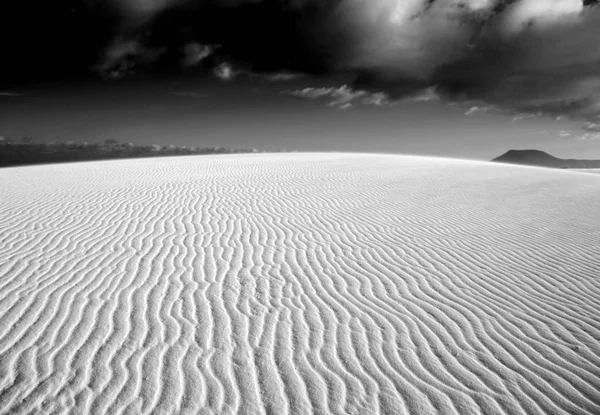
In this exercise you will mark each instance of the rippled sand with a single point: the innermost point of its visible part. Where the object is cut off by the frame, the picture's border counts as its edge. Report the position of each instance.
(302, 283)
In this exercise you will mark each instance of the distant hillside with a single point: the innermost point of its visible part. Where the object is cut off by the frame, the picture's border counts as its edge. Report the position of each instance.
(543, 159)
(26, 152)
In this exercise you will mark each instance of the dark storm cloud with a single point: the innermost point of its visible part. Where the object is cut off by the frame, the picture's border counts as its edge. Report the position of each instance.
(278, 39)
(533, 60)
(521, 56)
(527, 55)
(524, 56)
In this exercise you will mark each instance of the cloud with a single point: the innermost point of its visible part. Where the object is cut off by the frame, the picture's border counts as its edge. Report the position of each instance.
(591, 131)
(588, 137)
(282, 76)
(520, 116)
(10, 94)
(126, 56)
(144, 9)
(225, 71)
(194, 53)
(480, 109)
(345, 96)
(534, 57)
(422, 95)
(592, 127)
(522, 55)
(564, 134)
(579, 137)
(377, 98)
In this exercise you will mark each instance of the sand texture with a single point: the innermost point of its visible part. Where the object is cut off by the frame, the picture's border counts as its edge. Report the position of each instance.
(298, 284)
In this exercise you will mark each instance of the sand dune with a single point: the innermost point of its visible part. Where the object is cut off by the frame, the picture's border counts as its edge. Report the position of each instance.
(593, 171)
(304, 283)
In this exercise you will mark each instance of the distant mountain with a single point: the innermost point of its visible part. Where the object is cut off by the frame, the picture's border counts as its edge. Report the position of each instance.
(543, 159)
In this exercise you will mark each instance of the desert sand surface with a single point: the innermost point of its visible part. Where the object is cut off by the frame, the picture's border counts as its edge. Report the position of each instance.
(592, 171)
(297, 284)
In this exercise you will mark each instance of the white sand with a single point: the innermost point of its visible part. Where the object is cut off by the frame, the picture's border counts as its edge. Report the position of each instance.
(304, 283)
(593, 171)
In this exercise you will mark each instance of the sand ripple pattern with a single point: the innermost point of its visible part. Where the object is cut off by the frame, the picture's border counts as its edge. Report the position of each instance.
(300, 284)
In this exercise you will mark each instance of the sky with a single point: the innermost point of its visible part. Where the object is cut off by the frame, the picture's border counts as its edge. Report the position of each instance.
(455, 78)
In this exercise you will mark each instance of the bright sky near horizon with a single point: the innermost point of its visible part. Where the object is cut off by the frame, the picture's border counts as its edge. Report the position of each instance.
(247, 117)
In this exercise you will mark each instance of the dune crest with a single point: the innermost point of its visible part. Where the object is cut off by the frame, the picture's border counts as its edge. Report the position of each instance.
(302, 283)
